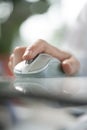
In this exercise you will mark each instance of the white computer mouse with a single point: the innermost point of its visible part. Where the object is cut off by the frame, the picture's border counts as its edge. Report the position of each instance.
(36, 65)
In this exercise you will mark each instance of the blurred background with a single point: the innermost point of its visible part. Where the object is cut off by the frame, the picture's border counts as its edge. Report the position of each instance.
(24, 21)
(21, 23)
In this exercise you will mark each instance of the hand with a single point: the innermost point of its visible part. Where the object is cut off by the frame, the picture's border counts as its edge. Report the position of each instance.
(69, 63)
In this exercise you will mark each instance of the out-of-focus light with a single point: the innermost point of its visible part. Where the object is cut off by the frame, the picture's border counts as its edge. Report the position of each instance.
(71, 9)
(32, 29)
(19, 88)
(48, 25)
(32, 0)
(5, 10)
(41, 26)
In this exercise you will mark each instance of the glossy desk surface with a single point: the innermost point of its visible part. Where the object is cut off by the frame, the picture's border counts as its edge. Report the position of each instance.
(51, 103)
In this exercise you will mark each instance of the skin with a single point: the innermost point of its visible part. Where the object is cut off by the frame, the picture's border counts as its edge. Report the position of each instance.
(69, 63)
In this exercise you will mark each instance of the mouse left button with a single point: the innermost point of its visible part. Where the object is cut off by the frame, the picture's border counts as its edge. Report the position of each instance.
(19, 67)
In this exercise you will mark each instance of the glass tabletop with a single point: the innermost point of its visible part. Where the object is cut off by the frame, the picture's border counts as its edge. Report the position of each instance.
(50, 103)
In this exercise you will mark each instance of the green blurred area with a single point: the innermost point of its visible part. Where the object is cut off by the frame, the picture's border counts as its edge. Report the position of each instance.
(21, 10)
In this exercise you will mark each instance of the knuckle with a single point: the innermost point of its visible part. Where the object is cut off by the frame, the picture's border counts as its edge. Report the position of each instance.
(16, 50)
(40, 41)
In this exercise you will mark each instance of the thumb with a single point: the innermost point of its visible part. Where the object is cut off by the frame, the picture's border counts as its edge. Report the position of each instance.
(70, 66)
(67, 67)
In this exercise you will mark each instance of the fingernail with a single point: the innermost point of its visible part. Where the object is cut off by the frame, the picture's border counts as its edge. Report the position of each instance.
(27, 53)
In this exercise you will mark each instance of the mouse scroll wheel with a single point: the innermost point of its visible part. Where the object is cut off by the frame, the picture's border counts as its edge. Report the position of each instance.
(29, 61)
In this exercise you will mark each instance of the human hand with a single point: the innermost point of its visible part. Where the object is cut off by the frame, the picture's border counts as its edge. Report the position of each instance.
(69, 63)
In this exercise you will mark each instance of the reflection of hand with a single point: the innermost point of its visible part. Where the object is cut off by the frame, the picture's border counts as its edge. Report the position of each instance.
(69, 63)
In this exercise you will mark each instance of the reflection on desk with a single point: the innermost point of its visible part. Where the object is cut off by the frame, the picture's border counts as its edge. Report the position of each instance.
(44, 103)
(71, 89)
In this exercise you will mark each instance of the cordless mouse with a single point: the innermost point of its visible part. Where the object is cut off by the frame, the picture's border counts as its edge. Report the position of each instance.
(36, 65)
(43, 65)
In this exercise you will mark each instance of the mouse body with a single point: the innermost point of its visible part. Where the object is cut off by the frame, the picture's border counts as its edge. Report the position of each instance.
(36, 65)
(42, 65)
